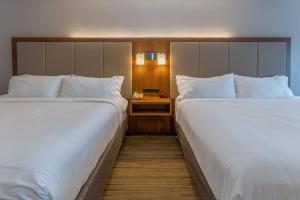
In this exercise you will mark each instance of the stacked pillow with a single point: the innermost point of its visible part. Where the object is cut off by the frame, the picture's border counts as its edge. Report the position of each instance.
(65, 86)
(232, 86)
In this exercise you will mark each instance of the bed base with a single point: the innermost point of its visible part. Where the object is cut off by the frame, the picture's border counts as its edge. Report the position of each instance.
(204, 189)
(95, 185)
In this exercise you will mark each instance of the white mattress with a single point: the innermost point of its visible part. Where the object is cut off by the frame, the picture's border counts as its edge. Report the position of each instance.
(247, 149)
(49, 147)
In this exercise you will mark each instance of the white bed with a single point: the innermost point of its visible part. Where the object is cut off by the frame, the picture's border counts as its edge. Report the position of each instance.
(49, 147)
(248, 149)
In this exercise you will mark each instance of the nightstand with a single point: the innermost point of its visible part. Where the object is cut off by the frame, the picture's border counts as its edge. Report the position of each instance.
(151, 115)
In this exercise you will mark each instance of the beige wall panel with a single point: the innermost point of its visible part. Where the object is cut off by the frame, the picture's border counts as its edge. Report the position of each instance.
(118, 61)
(184, 58)
(31, 58)
(213, 58)
(89, 59)
(59, 58)
(243, 58)
(272, 58)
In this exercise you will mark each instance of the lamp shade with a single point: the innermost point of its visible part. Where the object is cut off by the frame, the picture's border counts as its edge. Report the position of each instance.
(161, 58)
(140, 58)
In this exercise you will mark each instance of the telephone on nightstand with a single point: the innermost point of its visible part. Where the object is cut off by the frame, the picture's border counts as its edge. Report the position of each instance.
(137, 96)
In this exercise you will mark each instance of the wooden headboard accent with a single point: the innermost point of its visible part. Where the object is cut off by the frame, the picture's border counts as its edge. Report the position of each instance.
(150, 75)
(200, 57)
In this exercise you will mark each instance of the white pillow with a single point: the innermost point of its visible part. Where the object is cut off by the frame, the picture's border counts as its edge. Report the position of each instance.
(34, 86)
(86, 87)
(267, 87)
(214, 87)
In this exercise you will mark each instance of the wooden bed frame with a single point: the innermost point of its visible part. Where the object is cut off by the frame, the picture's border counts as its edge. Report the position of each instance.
(95, 185)
(204, 189)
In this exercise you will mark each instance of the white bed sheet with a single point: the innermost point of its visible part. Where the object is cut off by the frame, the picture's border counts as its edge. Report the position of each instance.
(248, 149)
(49, 147)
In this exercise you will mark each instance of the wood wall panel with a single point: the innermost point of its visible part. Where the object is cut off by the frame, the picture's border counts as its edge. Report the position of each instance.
(150, 75)
(151, 124)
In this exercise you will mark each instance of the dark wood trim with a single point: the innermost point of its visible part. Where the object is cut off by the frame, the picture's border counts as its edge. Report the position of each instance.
(14, 42)
(288, 59)
(95, 185)
(194, 167)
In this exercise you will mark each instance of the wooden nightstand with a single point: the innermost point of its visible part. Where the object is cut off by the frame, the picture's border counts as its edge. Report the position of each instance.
(151, 115)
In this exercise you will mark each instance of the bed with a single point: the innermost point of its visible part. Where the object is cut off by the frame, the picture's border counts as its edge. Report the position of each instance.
(258, 156)
(63, 148)
(238, 149)
(49, 147)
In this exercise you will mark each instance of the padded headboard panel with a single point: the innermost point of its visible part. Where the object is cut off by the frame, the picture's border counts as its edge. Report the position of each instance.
(256, 58)
(94, 59)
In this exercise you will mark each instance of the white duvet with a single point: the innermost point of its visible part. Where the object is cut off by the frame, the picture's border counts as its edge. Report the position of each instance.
(247, 149)
(49, 147)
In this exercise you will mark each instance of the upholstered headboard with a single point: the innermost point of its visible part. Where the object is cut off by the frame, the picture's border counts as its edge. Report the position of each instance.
(198, 57)
(255, 57)
(94, 58)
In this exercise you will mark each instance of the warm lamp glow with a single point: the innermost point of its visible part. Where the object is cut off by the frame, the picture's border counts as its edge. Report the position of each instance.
(140, 58)
(161, 59)
(94, 33)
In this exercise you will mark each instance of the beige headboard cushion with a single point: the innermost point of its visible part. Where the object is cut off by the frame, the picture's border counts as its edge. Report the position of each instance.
(206, 59)
(31, 58)
(94, 59)
(89, 59)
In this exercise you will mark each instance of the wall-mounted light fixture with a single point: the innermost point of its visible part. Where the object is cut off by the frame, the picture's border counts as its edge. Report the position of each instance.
(140, 58)
(160, 57)
(151, 56)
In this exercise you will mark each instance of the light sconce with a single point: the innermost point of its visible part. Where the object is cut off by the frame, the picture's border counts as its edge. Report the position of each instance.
(140, 58)
(160, 57)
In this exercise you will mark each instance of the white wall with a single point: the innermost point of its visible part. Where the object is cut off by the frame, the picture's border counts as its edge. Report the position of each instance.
(132, 18)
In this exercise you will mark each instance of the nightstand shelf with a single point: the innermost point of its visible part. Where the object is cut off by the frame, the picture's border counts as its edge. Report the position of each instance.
(151, 115)
(151, 106)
